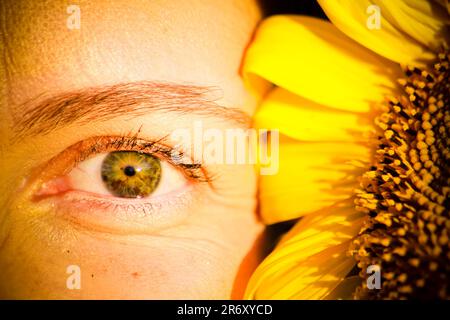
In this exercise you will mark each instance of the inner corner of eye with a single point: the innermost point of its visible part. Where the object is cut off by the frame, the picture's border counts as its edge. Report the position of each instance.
(52, 187)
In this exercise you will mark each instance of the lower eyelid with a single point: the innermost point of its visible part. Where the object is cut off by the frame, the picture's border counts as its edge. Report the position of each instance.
(146, 215)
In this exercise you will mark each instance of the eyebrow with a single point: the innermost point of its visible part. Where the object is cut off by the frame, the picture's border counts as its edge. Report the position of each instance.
(41, 116)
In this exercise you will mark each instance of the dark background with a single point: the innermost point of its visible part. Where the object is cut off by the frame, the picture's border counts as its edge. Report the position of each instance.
(305, 7)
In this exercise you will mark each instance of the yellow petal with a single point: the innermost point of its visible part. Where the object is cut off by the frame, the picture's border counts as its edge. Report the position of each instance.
(306, 120)
(408, 30)
(424, 21)
(311, 175)
(311, 260)
(312, 58)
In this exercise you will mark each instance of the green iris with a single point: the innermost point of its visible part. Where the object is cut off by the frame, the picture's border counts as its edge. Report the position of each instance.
(131, 174)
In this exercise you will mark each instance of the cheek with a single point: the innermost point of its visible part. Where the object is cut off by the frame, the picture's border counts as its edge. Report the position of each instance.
(161, 267)
(157, 268)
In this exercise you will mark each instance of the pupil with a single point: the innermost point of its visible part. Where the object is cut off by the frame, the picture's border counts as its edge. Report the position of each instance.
(129, 171)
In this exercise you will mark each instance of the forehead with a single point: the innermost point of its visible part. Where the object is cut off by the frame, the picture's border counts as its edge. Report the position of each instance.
(189, 42)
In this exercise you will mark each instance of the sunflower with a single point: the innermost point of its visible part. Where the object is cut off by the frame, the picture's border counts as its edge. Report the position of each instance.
(364, 120)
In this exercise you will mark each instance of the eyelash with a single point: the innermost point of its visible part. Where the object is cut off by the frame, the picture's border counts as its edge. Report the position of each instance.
(194, 171)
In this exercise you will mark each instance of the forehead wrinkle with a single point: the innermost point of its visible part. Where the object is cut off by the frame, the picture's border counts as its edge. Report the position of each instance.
(41, 115)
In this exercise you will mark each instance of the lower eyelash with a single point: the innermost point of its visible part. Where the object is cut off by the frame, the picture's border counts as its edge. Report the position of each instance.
(132, 210)
(140, 216)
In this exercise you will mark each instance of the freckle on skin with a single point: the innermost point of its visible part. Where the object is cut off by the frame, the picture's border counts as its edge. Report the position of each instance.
(135, 274)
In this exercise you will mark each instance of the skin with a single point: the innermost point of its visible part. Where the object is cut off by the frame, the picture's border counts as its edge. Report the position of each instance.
(206, 255)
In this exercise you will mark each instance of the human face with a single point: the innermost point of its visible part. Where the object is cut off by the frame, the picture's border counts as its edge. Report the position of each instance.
(133, 71)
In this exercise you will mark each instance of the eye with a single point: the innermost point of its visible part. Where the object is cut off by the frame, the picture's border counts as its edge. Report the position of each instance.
(126, 174)
(121, 185)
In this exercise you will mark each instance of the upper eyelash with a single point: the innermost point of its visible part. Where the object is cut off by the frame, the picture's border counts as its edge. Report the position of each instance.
(120, 143)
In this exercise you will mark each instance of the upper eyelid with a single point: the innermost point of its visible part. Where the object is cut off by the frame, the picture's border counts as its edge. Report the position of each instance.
(107, 144)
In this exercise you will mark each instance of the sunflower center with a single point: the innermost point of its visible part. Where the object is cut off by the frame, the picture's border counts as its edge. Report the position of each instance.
(406, 191)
